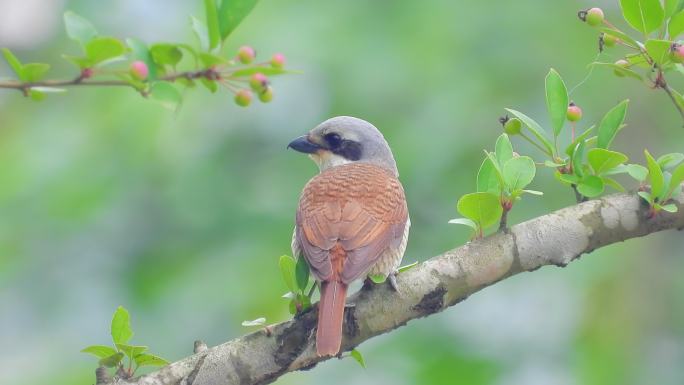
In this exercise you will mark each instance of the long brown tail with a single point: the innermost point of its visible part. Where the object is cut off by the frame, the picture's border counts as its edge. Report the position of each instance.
(330, 316)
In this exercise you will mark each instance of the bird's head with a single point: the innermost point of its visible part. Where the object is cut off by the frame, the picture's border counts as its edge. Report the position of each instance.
(345, 139)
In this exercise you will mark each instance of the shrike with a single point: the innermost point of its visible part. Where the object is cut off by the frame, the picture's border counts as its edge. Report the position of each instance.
(352, 220)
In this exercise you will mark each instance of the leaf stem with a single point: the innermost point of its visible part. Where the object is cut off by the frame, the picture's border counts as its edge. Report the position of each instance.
(542, 149)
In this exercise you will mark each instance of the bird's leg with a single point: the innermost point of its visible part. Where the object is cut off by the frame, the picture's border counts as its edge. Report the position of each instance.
(393, 281)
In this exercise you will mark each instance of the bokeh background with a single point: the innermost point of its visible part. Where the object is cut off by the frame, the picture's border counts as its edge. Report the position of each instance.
(108, 199)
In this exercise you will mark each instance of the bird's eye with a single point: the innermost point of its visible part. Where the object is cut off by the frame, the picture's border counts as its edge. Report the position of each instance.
(333, 139)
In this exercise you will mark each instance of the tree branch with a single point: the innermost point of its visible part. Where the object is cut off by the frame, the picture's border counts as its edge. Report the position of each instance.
(554, 239)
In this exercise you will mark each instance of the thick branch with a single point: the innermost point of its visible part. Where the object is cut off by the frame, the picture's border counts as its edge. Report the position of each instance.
(554, 239)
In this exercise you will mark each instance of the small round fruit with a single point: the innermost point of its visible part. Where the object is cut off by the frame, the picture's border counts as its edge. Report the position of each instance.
(258, 81)
(278, 61)
(678, 53)
(574, 112)
(139, 70)
(594, 17)
(621, 63)
(266, 95)
(246, 54)
(87, 73)
(512, 126)
(609, 40)
(243, 98)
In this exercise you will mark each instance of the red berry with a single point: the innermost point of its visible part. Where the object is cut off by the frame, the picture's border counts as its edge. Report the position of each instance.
(266, 95)
(574, 112)
(594, 17)
(139, 70)
(243, 98)
(678, 53)
(278, 60)
(87, 73)
(246, 54)
(258, 81)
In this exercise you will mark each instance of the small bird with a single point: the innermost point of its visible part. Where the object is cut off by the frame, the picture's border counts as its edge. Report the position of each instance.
(352, 220)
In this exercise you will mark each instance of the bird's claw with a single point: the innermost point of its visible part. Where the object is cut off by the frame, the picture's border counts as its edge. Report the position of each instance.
(392, 277)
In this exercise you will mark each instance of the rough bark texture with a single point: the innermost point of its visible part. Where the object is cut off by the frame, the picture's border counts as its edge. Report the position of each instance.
(554, 239)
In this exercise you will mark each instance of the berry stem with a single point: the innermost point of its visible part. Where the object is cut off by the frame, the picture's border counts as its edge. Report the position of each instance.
(542, 149)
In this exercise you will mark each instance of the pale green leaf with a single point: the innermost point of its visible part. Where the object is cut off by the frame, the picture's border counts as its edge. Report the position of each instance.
(231, 13)
(535, 128)
(131, 350)
(556, 100)
(121, 326)
(519, 172)
(212, 19)
(302, 274)
(643, 15)
(402, 269)
(659, 50)
(655, 176)
(481, 207)
(464, 221)
(100, 351)
(670, 160)
(645, 195)
(287, 269)
(149, 360)
(78, 28)
(356, 355)
(101, 49)
(503, 149)
(670, 208)
(602, 160)
(255, 322)
(676, 25)
(166, 95)
(611, 124)
(590, 186)
(112, 360)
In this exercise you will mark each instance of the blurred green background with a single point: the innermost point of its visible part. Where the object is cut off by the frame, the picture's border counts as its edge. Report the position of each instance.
(108, 199)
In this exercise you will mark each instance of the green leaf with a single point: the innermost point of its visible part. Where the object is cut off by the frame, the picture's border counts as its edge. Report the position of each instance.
(590, 186)
(670, 208)
(201, 32)
(570, 150)
(268, 71)
(578, 158)
(645, 195)
(519, 172)
(503, 149)
(481, 207)
(620, 35)
(100, 351)
(166, 54)
(551, 164)
(209, 84)
(355, 354)
(566, 178)
(670, 7)
(669, 160)
(149, 360)
(142, 53)
(602, 160)
(611, 124)
(675, 180)
(464, 221)
(556, 100)
(637, 172)
(212, 23)
(78, 28)
(166, 95)
(131, 350)
(104, 48)
(488, 177)
(659, 50)
(302, 274)
(112, 360)
(121, 326)
(377, 278)
(643, 15)
(535, 128)
(33, 72)
(622, 70)
(287, 269)
(256, 322)
(655, 175)
(36, 95)
(612, 183)
(404, 268)
(231, 13)
(210, 60)
(676, 25)
(13, 62)
(81, 62)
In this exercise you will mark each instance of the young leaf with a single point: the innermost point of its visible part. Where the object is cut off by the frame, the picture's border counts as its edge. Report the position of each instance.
(302, 273)
(645, 195)
(256, 322)
(655, 176)
(166, 54)
(556, 100)
(503, 149)
(100, 351)
(402, 269)
(78, 28)
(577, 158)
(676, 25)
(112, 360)
(481, 207)
(149, 360)
(13, 62)
(358, 357)
(670, 160)
(487, 178)
(535, 128)
(519, 172)
(465, 222)
(675, 180)
(659, 50)
(268, 71)
(620, 35)
(33, 72)
(590, 186)
(288, 295)
(602, 160)
(166, 95)
(131, 350)
(201, 32)
(619, 69)
(612, 183)
(643, 15)
(670, 208)
(121, 326)
(212, 23)
(377, 278)
(611, 124)
(231, 13)
(104, 48)
(570, 150)
(497, 170)
(637, 172)
(670, 7)
(287, 269)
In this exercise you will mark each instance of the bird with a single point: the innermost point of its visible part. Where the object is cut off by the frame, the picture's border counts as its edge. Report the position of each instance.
(352, 220)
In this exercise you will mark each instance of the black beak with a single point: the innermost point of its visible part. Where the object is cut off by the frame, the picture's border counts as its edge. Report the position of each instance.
(302, 144)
